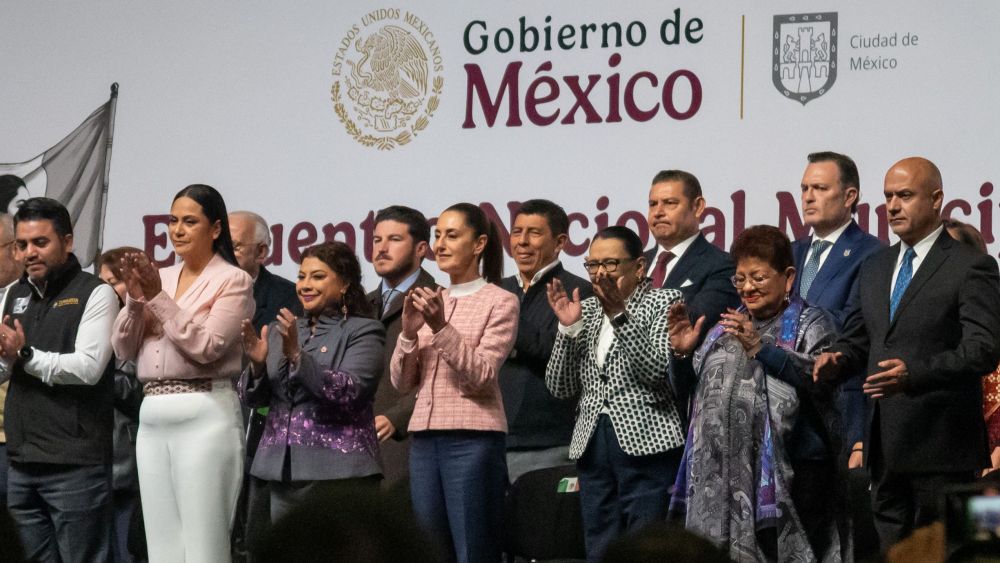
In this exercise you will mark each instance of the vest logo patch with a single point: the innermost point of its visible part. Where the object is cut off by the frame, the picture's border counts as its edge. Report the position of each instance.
(65, 302)
(20, 305)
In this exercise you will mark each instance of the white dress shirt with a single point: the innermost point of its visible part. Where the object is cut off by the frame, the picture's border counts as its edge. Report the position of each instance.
(91, 351)
(921, 249)
(678, 250)
(831, 238)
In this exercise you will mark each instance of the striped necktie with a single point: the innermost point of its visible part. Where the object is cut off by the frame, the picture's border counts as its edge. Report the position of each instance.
(812, 266)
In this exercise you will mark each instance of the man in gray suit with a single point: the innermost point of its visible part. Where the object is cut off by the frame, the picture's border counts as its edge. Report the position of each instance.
(399, 244)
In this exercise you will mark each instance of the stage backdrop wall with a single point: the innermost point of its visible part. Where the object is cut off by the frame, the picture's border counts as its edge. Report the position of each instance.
(317, 113)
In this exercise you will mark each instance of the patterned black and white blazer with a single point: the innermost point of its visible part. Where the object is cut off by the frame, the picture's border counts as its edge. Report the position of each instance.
(634, 382)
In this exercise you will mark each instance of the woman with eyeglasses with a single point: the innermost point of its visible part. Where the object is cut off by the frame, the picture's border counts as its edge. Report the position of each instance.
(451, 347)
(759, 474)
(613, 352)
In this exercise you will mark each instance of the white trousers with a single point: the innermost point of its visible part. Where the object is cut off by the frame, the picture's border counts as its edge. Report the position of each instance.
(190, 450)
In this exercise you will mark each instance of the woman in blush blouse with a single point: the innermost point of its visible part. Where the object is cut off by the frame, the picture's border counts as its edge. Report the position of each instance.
(182, 324)
(318, 375)
(452, 344)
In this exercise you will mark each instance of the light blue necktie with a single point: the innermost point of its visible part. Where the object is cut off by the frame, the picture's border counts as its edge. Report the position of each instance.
(387, 297)
(812, 266)
(902, 281)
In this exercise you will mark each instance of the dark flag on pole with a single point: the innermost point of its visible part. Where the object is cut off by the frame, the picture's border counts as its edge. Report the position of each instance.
(74, 172)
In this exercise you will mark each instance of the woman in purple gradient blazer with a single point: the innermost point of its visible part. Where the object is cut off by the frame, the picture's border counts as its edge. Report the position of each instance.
(318, 375)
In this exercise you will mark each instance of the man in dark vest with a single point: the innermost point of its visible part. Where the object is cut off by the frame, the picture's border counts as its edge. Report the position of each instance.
(399, 244)
(55, 346)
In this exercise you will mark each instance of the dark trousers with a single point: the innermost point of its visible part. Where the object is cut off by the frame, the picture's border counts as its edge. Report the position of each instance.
(620, 493)
(4, 467)
(458, 480)
(902, 502)
(286, 495)
(124, 503)
(63, 512)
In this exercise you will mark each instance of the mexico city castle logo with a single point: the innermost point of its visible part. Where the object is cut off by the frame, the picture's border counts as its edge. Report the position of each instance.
(387, 78)
(804, 55)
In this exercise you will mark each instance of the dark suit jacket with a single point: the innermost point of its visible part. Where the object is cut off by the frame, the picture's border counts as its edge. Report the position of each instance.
(703, 274)
(536, 419)
(271, 293)
(833, 290)
(836, 283)
(947, 330)
(392, 404)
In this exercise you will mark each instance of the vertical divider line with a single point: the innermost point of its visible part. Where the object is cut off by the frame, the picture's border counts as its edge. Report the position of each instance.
(743, 41)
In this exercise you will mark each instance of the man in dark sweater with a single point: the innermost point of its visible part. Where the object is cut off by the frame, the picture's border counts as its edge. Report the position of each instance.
(539, 425)
(55, 346)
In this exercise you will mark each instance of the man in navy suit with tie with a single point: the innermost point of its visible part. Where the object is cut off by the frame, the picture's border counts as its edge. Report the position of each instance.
(682, 259)
(928, 324)
(828, 262)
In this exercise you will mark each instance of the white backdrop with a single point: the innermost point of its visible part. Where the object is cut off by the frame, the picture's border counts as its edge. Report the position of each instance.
(238, 95)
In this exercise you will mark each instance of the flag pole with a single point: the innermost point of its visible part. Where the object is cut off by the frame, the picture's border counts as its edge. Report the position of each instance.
(107, 168)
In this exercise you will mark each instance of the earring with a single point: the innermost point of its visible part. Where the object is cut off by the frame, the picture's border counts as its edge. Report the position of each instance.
(343, 304)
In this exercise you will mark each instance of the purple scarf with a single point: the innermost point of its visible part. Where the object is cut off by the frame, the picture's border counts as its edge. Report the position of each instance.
(767, 506)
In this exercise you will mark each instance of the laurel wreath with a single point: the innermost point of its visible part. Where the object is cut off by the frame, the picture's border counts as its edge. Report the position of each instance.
(387, 142)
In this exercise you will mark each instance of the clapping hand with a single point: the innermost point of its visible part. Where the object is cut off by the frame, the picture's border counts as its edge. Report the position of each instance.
(430, 304)
(827, 367)
(254, 346)
(289, 335)
(567, 309)
(142, 279)
(609, 292)
(683, 335)
(11, 340)
(739, 325)
(412, 319)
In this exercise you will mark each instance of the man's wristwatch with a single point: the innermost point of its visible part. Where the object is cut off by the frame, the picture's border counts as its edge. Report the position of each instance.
(619, 320)
(26, 353)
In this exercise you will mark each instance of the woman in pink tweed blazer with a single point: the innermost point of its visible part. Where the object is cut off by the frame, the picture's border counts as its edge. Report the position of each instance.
(452, 344)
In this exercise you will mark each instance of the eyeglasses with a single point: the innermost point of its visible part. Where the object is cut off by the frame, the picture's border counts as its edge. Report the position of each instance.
(610, 266)
(755, 280)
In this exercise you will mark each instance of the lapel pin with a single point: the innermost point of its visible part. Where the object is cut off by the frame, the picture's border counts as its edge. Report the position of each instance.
(322, 350)
(847, 253)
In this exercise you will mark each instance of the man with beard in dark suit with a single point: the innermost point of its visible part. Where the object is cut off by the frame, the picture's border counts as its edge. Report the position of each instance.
(926, 329)
(399, 244)
(683, 259)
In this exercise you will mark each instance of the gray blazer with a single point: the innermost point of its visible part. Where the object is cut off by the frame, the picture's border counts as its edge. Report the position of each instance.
(321, 411)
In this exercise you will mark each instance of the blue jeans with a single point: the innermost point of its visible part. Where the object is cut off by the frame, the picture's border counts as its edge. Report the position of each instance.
(458, 479)
(63, 512)
(620, 493)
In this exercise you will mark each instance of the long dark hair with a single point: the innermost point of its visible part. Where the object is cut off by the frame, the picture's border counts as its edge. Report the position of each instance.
(492, 256)
(214, 208)
(341, 259)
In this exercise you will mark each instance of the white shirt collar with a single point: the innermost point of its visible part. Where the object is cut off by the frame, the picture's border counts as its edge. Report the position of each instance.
(678, 250)
(467, 288)
(922, 247)
(404, 285)
(538, 275)
(833, 237)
